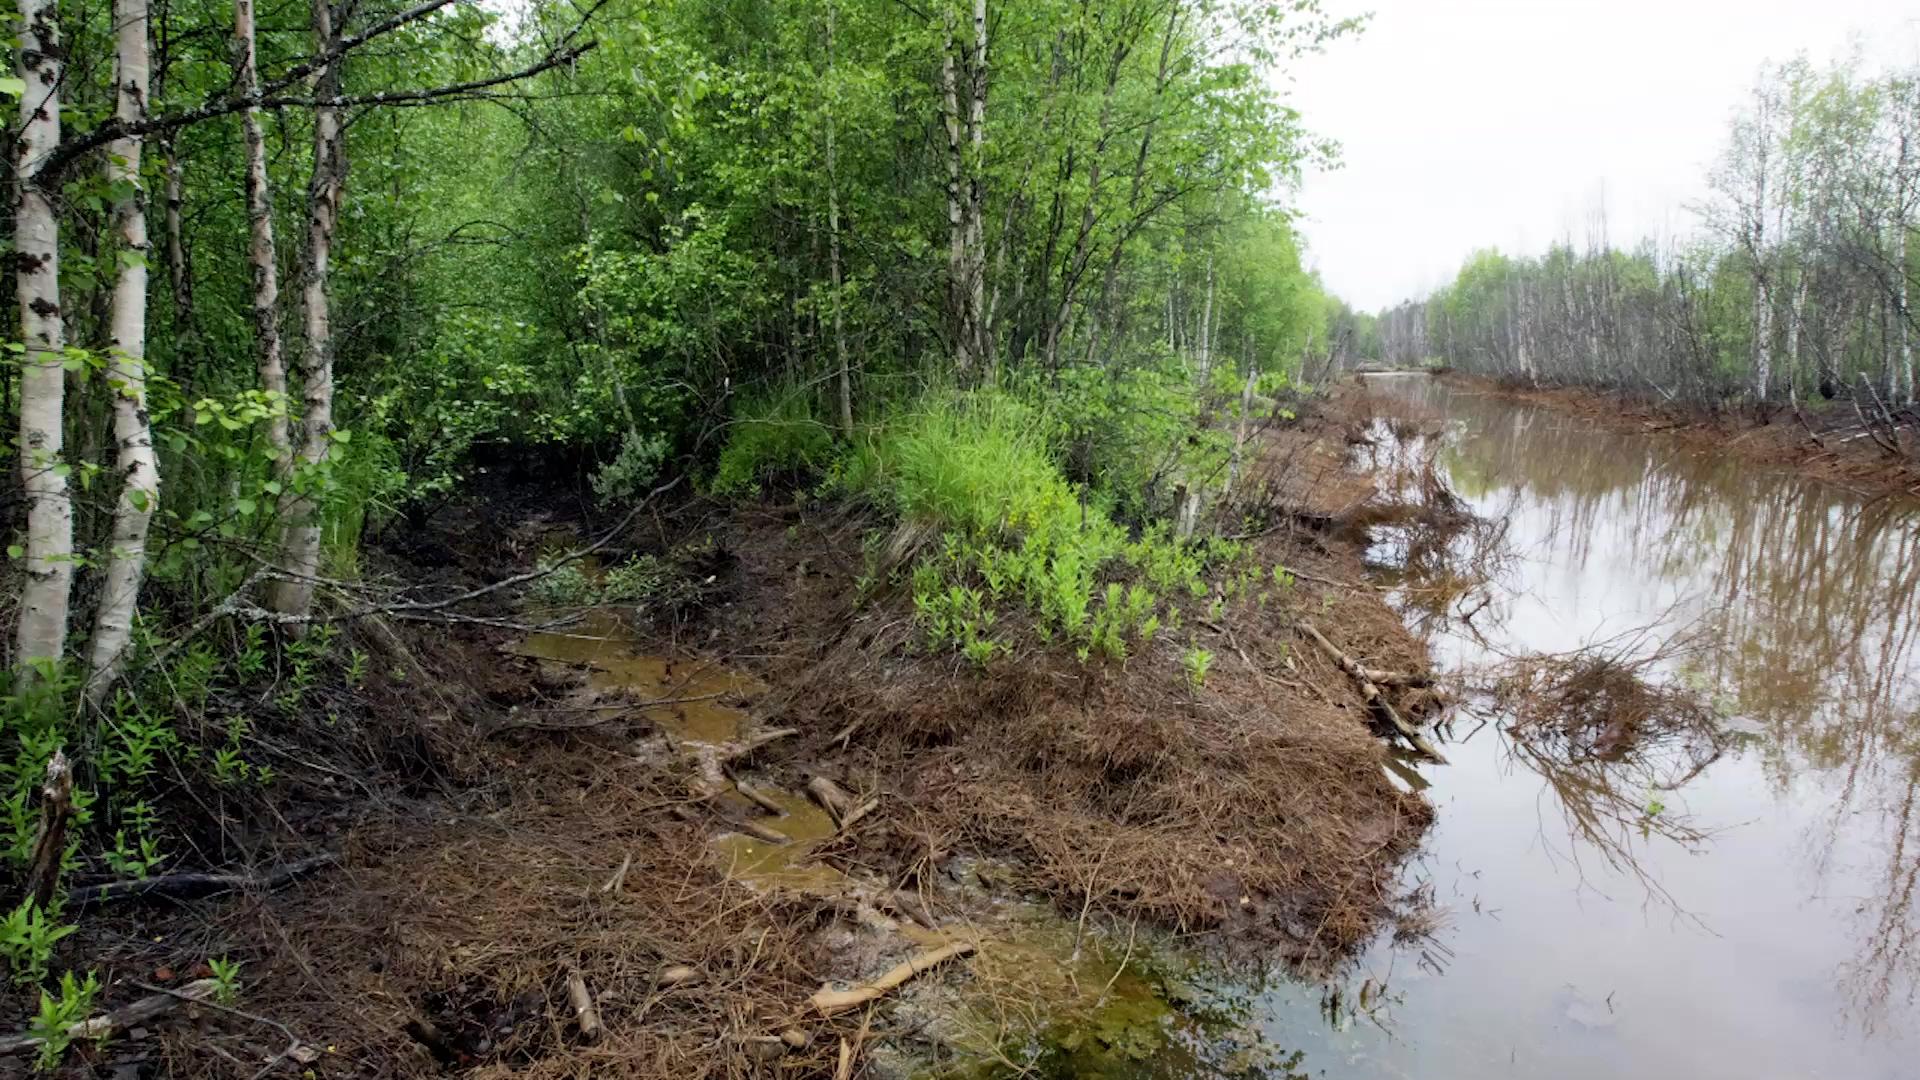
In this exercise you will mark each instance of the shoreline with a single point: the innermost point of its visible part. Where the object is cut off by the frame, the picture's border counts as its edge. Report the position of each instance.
(701, 897)
(1826, 445)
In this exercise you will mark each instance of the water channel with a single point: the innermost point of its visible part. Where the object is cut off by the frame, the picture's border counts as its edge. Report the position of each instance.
(1758, 920)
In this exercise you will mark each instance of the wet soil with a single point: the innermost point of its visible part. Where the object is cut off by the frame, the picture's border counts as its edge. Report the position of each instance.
(1090, 826)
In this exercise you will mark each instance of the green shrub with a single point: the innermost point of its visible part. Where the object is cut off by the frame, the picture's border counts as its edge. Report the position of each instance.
(778, 435)
(58, 1014)
(27, 938)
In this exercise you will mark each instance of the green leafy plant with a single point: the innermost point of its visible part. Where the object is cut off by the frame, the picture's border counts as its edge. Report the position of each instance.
(27, 938)
(226, 979)
(1197, 662)
(57, 1015)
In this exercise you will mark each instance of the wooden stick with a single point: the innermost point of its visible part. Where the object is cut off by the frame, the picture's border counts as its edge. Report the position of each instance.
(126, 1016)
(200, 884)
(585, 1012)
(829, 1001)
(1373, 695)
(619, 877)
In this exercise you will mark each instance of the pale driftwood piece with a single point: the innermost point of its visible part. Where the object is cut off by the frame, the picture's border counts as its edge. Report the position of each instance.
(126, 1016)
(829, 1001)
(585, 1013)
(676, 974)
(761, 832)
(759, 798)
(831, 796)
(56, 806)
(844, 1070)
(1373, 695)
(179, 885)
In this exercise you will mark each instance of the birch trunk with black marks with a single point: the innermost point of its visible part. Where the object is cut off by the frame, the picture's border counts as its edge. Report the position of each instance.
(135, 461)
(41, 632)
(300, 548)
(261, 256)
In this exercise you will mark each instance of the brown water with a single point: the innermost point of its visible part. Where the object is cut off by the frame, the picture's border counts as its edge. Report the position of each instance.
(687, 697)
(1759, 919)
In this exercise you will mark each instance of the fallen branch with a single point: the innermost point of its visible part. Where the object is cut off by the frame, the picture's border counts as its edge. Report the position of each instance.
(829, 1001)
(126, 1016)
(1373, 695)
(185, 885)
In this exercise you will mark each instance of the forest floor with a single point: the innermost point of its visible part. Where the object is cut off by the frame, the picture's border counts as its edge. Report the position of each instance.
(615, 807)
(1825, 440)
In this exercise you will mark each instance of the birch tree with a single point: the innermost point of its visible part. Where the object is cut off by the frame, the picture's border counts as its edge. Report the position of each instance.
(300, 511)
(137, 465)
(41, 633)
(262, 260)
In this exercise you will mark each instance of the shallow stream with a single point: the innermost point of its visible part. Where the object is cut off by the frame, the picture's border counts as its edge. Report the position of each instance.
(1757, 919)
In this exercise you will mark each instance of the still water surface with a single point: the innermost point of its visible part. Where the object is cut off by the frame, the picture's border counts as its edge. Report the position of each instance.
(1783, 941)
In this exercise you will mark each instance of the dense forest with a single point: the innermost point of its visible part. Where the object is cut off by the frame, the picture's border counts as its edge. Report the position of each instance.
(1798, 284)
(291, 277)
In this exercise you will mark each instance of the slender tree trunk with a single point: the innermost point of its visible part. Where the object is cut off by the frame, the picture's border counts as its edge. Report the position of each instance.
(300, 550)
(126, 364)
(261, 256)
(957, 259)
(1796, 320)
(833, 233)
(179, 274)
(977, 194)
(1904, 332)
(1206, 328)
(44, 598)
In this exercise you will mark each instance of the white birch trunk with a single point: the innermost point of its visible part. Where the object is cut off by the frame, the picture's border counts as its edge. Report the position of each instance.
(126, 365)
(300, 549)
(1206, 328)
(261, 256)
(41, 633)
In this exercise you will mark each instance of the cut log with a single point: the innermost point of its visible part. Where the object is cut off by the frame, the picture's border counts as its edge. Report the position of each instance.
(126, 1016)
(1371, 692)
(585, 1013)
(831, 796)
(829, 1001)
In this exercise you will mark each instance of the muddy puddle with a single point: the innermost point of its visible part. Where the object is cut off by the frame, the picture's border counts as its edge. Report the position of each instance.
(692, 699)
(1748, 914)
(1042, 996)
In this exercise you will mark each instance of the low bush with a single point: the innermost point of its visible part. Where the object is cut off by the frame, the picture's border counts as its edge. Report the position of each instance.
(772, 437)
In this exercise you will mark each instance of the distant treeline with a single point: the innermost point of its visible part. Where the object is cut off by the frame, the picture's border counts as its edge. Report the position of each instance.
(1797, 286)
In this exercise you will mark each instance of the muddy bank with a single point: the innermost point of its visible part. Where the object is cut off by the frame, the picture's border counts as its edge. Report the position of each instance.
(1824, 441)
(619, 814)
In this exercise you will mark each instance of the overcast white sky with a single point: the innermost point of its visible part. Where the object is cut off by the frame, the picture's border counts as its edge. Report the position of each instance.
(1477, 123)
